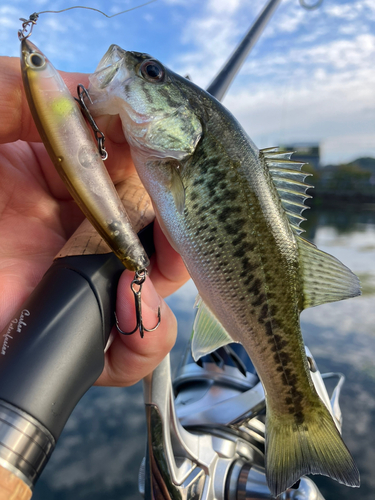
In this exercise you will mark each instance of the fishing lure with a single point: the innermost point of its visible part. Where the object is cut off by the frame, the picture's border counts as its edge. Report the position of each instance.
(71, 148)
(68, 141)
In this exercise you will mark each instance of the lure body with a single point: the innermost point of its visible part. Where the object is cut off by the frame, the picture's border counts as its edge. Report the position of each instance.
(69, 143)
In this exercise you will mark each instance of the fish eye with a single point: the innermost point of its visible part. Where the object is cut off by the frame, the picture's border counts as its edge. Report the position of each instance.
(36, 61)
(153, 71)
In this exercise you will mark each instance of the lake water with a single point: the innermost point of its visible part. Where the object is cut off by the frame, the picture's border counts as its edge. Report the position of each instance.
(99, 452)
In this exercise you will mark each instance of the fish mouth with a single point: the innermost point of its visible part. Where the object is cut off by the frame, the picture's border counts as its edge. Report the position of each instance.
(111, 65)
(108, 85)
(110, 73)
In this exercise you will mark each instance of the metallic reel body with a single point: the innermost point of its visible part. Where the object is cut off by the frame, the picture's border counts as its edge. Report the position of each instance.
(206, 431)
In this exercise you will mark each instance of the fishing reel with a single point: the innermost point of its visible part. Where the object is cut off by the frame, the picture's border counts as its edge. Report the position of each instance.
(206, 430)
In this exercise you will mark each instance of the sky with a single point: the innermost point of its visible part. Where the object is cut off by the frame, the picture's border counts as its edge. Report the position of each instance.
(310, 78)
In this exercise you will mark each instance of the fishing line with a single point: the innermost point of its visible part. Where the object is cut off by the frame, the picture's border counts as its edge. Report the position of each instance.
(28, 24)
(96, 10)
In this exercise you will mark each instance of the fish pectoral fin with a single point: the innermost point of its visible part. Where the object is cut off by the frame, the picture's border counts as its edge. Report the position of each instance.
(325, 278)
(313, 446)
(177, 188)
(208, 333)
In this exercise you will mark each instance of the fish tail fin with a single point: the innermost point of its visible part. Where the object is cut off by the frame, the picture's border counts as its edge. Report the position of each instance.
(314, 446)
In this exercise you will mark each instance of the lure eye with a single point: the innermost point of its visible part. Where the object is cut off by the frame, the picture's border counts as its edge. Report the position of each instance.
(153, 71)
(37, 61)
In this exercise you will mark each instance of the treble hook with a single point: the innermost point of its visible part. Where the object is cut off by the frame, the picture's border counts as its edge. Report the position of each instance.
(139, 279)
(99, 136)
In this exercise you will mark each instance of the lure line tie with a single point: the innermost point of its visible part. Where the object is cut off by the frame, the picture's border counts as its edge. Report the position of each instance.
(27, 26)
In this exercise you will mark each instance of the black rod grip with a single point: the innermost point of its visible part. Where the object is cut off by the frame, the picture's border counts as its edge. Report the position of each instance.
(53, 349)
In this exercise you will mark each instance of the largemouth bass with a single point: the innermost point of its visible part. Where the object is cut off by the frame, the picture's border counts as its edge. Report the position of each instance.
(71, 148)
(233, 213)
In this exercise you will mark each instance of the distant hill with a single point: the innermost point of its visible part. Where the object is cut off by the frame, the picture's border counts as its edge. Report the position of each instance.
(352, 182)
(365, 163)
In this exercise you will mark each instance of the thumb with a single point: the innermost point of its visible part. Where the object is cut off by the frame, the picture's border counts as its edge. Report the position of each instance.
(130, 357)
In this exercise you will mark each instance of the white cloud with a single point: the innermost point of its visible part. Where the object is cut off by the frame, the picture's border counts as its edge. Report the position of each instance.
(348, 12)
(320, 93)
(223, 6)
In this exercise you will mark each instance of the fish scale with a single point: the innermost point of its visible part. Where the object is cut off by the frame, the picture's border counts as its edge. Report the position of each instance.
(233, 213)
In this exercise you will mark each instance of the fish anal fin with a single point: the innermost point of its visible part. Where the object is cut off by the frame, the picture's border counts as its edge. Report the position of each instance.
(208, 333)
(325, 278)
(313, 446)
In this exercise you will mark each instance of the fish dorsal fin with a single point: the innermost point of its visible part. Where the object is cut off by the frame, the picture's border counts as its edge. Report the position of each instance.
(208, 333)
(325, 278)
(290, 184)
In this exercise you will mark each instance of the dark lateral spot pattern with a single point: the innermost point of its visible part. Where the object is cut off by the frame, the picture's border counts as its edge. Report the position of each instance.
(259, 301)
(211, 186)
(249, 278)
(268, 329)
(221, 202)
(263, 314)
(227, 212)
(247, 266)
(203, 209)
(235, 227)
(255, 288)
(244, 248)
(229, 195)
(284, 357)
(198, 181)
(239, 238)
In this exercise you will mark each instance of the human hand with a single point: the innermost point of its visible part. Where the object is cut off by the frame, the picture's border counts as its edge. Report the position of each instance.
(37, 216)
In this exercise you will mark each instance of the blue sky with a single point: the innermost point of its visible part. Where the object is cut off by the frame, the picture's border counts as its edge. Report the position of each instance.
(311, 76)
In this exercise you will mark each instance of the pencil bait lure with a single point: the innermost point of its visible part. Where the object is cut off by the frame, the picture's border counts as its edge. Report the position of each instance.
(72, 151)
(70, 146)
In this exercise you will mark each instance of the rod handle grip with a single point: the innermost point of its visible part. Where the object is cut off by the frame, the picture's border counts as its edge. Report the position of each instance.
(12, 487)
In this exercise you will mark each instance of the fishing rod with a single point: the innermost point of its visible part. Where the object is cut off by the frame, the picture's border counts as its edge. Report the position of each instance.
(68, 319)
(221, 83)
